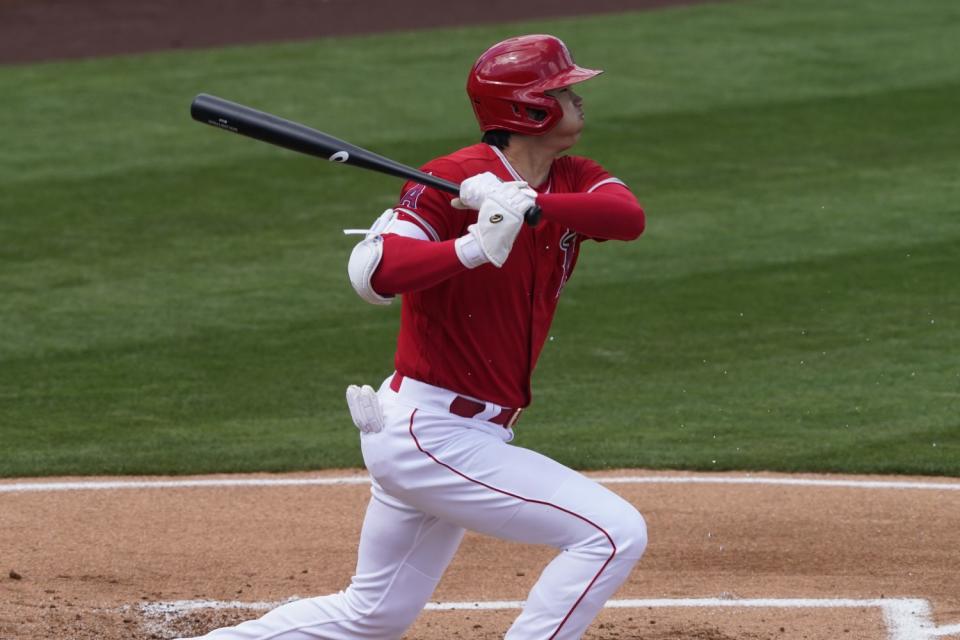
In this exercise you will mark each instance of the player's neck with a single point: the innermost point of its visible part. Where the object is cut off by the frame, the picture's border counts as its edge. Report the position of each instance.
(530, 159)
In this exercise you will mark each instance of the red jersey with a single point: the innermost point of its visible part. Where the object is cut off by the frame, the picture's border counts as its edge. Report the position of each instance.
(481, 331)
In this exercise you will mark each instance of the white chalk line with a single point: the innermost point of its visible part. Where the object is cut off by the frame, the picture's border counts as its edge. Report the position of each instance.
(110, 485)
(905, 618)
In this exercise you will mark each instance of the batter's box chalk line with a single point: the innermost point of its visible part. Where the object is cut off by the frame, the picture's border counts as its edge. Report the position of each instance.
(214, 483)
(905, 618)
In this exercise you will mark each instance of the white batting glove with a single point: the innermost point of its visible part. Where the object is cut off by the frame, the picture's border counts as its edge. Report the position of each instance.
(498, 223)
(516, 197)
(474, 190)
(365, 408)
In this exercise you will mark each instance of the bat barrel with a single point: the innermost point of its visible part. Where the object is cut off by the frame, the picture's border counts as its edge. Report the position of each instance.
(238, 118)
(266, 127)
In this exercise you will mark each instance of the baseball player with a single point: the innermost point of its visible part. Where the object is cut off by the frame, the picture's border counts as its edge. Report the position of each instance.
(479, 289)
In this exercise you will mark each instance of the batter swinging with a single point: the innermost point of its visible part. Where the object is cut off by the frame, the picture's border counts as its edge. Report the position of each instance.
(479, 291)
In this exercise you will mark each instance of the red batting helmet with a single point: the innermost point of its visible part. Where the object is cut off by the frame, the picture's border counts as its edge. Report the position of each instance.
(510, 78)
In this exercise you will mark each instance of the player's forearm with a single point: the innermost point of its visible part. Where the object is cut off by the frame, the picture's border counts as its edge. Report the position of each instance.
(409, 264)
(613, 215)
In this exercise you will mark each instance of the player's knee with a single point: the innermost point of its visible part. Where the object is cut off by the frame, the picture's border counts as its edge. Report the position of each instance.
(620, 536)
(628, 532)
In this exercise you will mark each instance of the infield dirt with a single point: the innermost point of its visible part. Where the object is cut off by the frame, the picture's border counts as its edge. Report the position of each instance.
(89, 560)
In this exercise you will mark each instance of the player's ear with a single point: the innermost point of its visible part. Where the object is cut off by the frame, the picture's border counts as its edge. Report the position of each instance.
(539, 115)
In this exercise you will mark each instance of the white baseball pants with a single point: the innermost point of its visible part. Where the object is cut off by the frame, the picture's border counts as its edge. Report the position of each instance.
(436, 474)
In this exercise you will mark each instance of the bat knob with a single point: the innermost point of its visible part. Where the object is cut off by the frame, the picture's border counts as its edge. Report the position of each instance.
(532, 216)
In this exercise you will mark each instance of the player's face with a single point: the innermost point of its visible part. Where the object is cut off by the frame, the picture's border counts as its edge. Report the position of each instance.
(571, 124)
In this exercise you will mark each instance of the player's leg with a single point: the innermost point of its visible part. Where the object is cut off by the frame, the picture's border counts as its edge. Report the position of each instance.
(464, 472)
(403, 553)
(598, 550)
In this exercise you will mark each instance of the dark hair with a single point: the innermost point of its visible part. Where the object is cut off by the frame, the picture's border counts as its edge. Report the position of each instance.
(499, 138)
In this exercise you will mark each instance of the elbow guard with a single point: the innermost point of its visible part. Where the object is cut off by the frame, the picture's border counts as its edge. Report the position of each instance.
(364, 260)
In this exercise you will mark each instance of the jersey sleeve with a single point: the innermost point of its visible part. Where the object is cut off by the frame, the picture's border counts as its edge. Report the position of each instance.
(409, 264)
(428, 209)
(590, 176)
(598, 206)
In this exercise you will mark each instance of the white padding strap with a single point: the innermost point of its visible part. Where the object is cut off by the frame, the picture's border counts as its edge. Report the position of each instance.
(388, 222)
(426, 226)
(378, 226)
(406, 229)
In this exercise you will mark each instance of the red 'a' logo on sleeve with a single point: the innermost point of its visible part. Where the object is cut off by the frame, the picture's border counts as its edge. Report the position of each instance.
(412, 196)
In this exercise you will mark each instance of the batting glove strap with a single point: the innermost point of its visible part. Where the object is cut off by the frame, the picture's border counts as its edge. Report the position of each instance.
(470, 252)
(495, 231)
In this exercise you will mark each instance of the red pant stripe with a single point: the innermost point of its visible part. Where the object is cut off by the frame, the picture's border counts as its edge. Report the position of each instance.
(532, 501)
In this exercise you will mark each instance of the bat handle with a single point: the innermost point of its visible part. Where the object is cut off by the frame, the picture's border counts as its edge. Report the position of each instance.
(532, 216)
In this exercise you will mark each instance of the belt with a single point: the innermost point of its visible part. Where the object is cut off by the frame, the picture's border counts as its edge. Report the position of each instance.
(467, 407)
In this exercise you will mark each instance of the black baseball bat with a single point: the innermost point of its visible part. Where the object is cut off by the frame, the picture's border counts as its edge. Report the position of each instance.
(272, 129)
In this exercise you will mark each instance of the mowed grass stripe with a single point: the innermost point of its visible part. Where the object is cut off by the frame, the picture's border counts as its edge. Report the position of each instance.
(128, 111)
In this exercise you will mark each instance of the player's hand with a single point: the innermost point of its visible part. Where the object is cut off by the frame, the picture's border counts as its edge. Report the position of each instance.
(499, 221)
(515, 197)
(365, 408)
(474, 190)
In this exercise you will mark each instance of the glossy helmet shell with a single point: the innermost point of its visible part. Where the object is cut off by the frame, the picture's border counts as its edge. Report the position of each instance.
(512, 76)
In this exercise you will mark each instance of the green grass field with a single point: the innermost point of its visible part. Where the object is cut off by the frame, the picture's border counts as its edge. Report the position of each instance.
(174, 299)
